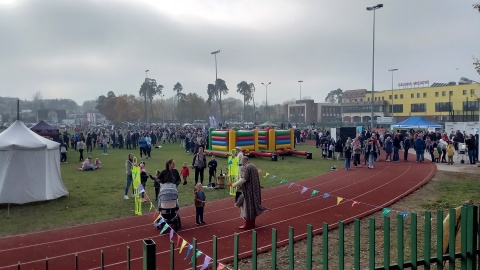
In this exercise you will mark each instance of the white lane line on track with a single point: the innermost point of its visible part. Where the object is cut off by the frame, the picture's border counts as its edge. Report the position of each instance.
(147, 225)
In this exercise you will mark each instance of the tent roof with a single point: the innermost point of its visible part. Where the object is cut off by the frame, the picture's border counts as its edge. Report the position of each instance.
(416, 122)
(42, 126)
(268, 124)
(18, 136)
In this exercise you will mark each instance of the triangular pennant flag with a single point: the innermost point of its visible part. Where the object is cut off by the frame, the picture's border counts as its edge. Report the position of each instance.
(259, 171)
(354, 202)
(314, 192)
(266, 174)
(155, 217)
(184, 243)
(151, 206)
(198, 253)
(273, 176)
(188, 251)
(146, 196)
(326, 195)
(160, 222)
(283, 181)
(385, 211)
(304, 189)
(220, 266)
(404, 214)
(171, 234)
(178, 239)
(291, 184)
(339, 199)
(206, 262)
(165, 227)
(230, 162)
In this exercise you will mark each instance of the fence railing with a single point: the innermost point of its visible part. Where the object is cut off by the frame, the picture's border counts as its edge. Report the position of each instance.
(456, 245)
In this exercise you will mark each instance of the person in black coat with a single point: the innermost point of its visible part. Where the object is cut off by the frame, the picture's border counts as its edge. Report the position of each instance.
(212, 170)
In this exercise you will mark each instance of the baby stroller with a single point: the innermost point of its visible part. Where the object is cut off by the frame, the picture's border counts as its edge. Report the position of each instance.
(168, 205)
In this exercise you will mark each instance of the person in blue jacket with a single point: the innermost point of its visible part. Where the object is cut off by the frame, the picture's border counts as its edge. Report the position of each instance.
(419, 147)
(143, 146)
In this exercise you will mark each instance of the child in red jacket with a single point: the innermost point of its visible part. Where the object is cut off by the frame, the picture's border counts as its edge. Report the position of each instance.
(185, 173)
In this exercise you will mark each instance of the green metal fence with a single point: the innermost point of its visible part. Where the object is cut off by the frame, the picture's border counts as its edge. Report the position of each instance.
(346, 248)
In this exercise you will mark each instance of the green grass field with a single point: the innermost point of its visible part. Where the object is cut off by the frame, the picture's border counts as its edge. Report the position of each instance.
(98, 195)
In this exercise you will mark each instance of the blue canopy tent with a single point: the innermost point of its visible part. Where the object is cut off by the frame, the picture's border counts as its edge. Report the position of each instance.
(416, 122)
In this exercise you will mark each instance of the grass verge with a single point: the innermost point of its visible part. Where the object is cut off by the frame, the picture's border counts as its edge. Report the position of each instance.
(98, 195)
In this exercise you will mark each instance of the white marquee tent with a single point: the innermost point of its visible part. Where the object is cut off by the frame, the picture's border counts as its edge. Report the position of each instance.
(29, 167)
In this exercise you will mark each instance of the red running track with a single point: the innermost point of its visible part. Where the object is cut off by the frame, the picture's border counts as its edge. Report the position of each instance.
(372, 188)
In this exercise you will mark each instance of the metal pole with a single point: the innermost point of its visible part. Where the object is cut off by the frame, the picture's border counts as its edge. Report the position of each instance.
(266, 102)
(300, 89)
(373, 70)
(146, 107)
(392, 92)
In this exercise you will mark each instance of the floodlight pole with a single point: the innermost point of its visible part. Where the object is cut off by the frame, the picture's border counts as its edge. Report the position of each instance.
(373, 60)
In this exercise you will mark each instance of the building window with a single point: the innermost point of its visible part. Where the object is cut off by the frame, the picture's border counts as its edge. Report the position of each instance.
(361, 99)
(412, 95)
(450, 93)
(401, 96)
(390, 97)
(425, 95)
(443, 106)
(472, 91)
(419, 107)
(396, 96)
(383, 98)
(464, 92)
(436, 94)
(443, 93)
(398, 108)
(470, 105)
(418, 95)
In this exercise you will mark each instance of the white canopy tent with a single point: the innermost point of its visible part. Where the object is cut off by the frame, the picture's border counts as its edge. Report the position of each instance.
(29, 167)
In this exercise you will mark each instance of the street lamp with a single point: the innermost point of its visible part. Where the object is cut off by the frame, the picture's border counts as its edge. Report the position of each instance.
(300, 89)
(266, 99)
(146, 107)
(392, 70)
(216, 73)
(373, 57)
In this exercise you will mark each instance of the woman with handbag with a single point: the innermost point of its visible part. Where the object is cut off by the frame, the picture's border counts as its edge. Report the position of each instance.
(199, 162)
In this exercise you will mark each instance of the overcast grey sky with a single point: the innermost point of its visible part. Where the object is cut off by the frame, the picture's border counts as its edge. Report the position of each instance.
(82, 49)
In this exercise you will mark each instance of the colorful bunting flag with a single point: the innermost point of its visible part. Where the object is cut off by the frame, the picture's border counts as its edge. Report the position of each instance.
(184, 243)
(273, 176)
(304, 189)
(259, 171)
(151, 206)
(155, 217)
(178, 239)
(220, 266)
(339, 200)
(385, 211)
(198, 253)
(230, 162)
(188, 251)
(354, 202)
(266, 174)
(291, 184)
(404, 214)
(283, 181)
(206, 262)
(165, 227)
(159, 222)
(325, 195)
(171, 234)
(314, 192)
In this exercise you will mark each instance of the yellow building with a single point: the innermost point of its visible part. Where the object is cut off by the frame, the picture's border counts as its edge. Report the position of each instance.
(437, 103)
(440, 102)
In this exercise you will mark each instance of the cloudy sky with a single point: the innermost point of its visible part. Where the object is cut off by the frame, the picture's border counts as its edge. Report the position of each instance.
(82, 49)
